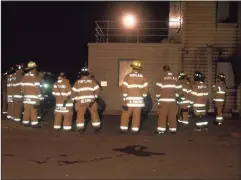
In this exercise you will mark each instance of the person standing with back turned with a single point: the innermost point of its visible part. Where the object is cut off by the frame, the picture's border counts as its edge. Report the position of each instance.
(167, 93)
(134, 90)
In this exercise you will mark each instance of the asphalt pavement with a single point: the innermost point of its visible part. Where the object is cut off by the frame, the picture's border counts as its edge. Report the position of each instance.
(45, 154)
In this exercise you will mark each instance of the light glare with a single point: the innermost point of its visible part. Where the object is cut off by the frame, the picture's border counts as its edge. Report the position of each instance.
(129, 21)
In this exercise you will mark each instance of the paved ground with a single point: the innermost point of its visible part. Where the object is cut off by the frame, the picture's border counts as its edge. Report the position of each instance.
(44, 154)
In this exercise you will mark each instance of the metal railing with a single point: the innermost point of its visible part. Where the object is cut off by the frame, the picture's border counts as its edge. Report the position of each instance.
(143, 32)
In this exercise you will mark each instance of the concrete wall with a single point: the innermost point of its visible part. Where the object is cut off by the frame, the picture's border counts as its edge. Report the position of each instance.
(104, 59)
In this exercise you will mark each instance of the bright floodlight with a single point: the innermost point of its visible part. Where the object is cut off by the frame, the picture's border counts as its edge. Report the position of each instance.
(129, 21)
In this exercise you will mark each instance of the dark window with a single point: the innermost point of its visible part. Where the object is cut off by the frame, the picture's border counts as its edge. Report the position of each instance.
(227, 12)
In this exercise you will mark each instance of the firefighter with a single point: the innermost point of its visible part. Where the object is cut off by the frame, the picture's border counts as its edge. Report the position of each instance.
(167, 93)
(4, 93)
(184, 101)
(32, 95)
(17, 96)
(199, 100)
(85, 93)
(64, 103)
(10, 79)
(219, 96)
(40, 78)
(134, 90)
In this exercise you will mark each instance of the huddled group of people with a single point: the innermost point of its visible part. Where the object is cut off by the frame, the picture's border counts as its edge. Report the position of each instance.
(176, 96)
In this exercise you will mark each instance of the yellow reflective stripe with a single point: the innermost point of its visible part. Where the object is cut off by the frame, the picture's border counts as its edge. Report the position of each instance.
(135, 105)
(84, 89)
(85, 97)
(145, 84)
(167, 99)
(125, 83)
(135, 86)
(134, 98)
(199, 105)
(96, 87)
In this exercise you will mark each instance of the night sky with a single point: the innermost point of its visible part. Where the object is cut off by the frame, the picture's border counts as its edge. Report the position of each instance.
(56, 34)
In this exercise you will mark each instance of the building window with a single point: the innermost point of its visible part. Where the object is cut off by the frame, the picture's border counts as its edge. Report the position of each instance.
(227, 12)
(124, 69)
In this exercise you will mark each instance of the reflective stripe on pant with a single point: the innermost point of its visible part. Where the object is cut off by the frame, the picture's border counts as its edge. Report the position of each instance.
(5, 104)
(136, 118)
(10, 110)
(67, 123)
(183, 116)
(81, 109)
(219, 111)
(30, 114)
(200, 113)
(167, 110)
(18, 105)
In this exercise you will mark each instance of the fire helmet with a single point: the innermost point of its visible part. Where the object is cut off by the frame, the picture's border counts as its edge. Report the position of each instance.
(198, 76)
(182, 76)
(136, 64)
(221, 76)
(166, 68)
(31, 65)
(84, 71)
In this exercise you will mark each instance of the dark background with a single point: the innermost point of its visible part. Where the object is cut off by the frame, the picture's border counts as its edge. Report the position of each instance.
(55, 34)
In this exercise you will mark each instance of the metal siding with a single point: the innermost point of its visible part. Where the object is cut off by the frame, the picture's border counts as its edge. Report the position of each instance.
(199, 30)
(103, 62)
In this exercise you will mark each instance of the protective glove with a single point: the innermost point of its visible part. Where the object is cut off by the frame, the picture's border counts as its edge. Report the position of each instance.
(65, 102)
(125, 107)
(91, 104)
(36, 105)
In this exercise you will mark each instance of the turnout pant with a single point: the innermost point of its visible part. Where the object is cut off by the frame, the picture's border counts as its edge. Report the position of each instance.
(81, 109)
(136, 118)
(18, 105)
(183, 114)
(5, 105)
(30, 115)
(167, 110)
(67, 122)
(10, 110)
(200, 113)
(219, 111)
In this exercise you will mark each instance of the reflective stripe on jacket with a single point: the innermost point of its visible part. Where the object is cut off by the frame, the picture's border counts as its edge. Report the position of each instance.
(168, 88)
(31, 88)
(134, 89)
(85, 90)
(62, 91)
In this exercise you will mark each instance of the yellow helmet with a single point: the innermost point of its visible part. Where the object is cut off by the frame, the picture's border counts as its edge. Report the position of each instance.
(31, 65)
(136, 64)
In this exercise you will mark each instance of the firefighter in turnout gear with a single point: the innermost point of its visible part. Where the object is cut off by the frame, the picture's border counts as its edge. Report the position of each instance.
(219, 96)
(10, 93)
(184, 98)
(40, 78)
(85, 92)
(134, 90)
(17, 93)
(5, 96)
(64, 103)
(32, 95)
(199, 101)
(168, 90)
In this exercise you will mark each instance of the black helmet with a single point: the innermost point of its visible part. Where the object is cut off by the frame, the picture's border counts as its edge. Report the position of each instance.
(198, 76)
(221, 76)
(84, 71)
(166, 68)
(182, 76)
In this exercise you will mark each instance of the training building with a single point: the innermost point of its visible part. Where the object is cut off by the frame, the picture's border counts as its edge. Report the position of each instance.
(200, 36)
